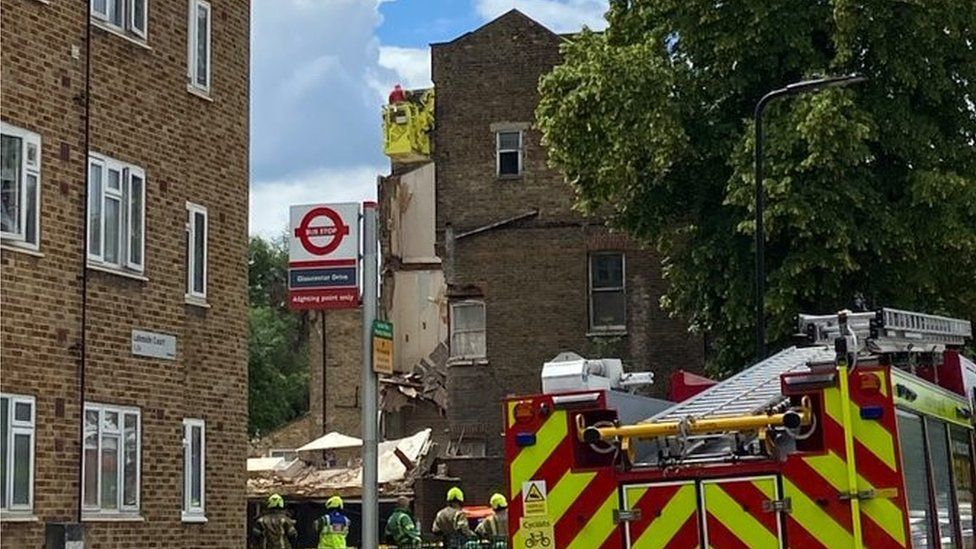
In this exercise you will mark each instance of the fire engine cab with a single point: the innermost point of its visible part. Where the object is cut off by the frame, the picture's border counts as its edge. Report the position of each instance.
(861, 436)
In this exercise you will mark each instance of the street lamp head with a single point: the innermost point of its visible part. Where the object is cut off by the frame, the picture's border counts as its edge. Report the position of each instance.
(791, 89)
(827, 82)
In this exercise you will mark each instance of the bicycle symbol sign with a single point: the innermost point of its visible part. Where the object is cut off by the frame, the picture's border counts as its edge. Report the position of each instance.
(536, 533)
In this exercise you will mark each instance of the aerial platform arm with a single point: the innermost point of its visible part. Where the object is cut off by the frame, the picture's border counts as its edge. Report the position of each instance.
(790, 419)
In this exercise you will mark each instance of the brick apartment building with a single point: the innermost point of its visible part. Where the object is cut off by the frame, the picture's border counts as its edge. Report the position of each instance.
(483, 252)
(124, 276)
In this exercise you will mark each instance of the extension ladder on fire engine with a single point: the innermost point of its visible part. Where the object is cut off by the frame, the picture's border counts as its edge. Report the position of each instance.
(748, 392)
(889, 330)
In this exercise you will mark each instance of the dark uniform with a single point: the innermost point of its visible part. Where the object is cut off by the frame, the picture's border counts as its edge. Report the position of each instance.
(276, 530)
(452, 525)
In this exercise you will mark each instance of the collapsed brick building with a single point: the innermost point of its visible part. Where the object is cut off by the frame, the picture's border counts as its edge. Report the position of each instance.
(522, 275)
(123, 398)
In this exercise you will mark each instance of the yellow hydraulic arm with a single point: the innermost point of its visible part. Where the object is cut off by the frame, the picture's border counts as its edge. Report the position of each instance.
(791, 419)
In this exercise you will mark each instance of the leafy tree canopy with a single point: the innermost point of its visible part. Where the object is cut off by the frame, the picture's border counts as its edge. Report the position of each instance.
(278, 360)
(871, 190)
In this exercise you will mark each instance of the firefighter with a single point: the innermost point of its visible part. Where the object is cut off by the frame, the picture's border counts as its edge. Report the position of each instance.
(275, 529)
(450, 523)
(397, 95)
(495, 527)
(400, 528)
(333, 526)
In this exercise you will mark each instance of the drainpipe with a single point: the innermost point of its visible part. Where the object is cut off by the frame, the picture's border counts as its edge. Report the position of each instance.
(83, 347)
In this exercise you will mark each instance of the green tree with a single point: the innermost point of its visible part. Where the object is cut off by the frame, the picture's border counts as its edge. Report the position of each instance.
(278, 360)
(871, 190)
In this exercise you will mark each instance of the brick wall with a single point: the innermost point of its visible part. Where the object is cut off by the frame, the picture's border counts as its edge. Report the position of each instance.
(192, 149)
(343, 372)
(289, 436)
(532, 273)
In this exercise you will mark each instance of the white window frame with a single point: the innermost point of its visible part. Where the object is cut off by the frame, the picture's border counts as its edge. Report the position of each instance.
(191, 266)
(125, 196)
(499, 150)
(454, 331)
(121, 508)
(192, 59)
(18, 427)
(133, 24)
(103, 15)
(28, 139)
(594, 327)
(191, 513)
(128, 17)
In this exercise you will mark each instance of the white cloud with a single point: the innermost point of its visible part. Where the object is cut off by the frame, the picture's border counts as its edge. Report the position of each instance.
(411, 65)
(270, 199)
(319, 79)
(557, 15)
(311, 103)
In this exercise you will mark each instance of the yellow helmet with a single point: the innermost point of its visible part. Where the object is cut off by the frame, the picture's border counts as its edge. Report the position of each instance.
(498, 501)
(455, 494)
(275, 501)
(335, 502)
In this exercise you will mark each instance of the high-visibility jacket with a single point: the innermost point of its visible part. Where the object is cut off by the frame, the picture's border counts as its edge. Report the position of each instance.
(401, 530)
(333, 528)
(276, 530)
(452, 524)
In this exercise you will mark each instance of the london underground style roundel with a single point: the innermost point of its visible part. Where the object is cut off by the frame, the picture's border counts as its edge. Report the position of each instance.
(324, 232)
(323, 225)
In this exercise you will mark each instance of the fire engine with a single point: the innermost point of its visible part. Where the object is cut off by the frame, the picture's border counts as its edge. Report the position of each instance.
(859, 436)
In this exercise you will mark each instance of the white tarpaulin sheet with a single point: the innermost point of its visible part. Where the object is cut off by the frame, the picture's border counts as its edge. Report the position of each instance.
(391, 468)
(264, 464)
(331, 441)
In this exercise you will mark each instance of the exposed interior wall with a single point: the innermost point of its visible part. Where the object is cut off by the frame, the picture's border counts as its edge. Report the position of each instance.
(412, 219)
(413, 282)
(419, 315)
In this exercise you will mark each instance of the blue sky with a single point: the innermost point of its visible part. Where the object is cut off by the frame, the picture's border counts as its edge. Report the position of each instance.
(320, 72)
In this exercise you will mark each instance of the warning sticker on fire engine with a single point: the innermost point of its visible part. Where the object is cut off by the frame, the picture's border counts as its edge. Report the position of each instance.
(534, 498)
(536, 532)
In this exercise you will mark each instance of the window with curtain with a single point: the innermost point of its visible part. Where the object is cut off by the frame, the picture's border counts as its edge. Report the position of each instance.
(110, 469)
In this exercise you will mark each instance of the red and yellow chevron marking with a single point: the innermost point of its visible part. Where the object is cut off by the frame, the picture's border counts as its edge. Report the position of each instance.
(734, 515)
(669, 515)
(579, 504)
(819, 517)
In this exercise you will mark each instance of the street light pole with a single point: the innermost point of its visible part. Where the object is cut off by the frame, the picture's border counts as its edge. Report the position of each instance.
(370, 498)
(797, 88)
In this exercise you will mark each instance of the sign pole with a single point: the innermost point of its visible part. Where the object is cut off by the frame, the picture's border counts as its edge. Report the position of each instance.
(369, 383)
